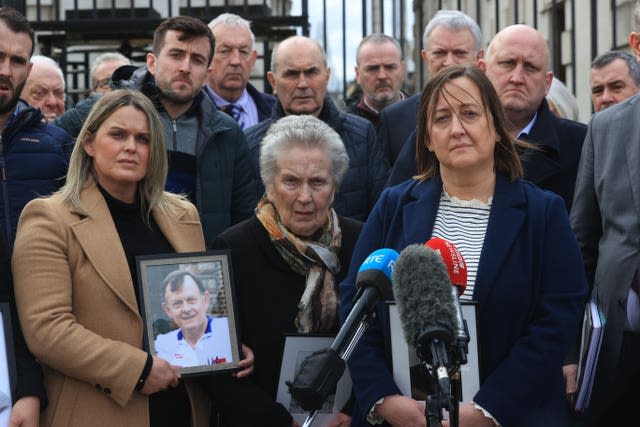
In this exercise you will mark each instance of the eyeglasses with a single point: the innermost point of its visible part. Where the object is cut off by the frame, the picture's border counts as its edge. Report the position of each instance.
(102, 83)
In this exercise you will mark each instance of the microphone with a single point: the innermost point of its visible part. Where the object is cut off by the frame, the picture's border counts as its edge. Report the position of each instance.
(457, 269)
(373, 283)
(423, 294)
(320, 371)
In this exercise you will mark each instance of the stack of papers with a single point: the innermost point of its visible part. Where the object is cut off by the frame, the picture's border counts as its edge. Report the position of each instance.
(592, 327)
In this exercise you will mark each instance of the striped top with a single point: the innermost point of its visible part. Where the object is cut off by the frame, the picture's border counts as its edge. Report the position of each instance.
(463, 223)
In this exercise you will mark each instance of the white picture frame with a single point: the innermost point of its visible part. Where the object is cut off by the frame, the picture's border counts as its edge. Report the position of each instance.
(296, 348)
(404, 356)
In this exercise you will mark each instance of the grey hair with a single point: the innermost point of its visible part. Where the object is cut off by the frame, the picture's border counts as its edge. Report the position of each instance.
(306, 131)
(456, 21)
(636, 15)
(274, 54)
(377, 38)
(611, 55)
(45, 60)
(233, 20)
(107, 57)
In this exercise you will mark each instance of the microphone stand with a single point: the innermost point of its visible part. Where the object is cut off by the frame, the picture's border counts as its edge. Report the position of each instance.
(441, 361)
(355, 330)
(438, 400)
(310, 418)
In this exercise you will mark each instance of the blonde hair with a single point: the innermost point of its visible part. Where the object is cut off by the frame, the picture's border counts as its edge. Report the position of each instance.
(151, 188)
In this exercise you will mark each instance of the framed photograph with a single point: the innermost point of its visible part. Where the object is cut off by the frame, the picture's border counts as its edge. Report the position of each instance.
(406, 364)
(7, 365)
(296, 349)
(189, 311)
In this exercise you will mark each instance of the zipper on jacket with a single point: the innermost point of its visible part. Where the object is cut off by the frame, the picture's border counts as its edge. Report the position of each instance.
(174, 125)
(5, 201)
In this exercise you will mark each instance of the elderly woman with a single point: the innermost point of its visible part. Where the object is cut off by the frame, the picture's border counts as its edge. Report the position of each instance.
(524, 266)
(75, 282)
(289, 258)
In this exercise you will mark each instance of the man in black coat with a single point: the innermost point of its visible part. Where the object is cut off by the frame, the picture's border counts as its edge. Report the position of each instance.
(450, 37)
(517, 64)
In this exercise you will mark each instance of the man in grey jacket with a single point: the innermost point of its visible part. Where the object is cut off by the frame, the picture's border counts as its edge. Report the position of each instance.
(604, 218)
(299, 76)
(207, 150)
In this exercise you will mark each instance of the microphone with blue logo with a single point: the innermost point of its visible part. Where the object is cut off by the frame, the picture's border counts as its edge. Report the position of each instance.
(321, 370)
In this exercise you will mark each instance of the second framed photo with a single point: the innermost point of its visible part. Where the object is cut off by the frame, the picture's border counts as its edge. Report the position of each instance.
(406, 365)
(296, 349)
(189, 310)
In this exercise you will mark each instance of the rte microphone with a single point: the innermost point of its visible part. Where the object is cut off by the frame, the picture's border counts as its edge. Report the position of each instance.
(373, 283)
(423, 294)
(457, 269)
(320, 371)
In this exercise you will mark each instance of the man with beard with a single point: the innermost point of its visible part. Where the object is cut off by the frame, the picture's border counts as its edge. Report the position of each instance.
(207, 150)
(34, 156)
(34, 159)
(380, 74)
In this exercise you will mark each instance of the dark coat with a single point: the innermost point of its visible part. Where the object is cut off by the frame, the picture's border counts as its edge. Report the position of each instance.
(34, 158)
(397, 121)
(29, 380)
(367, 171)
(530, 288)
(264, 102)
(553, 167)
(224, 190)
(267, 294)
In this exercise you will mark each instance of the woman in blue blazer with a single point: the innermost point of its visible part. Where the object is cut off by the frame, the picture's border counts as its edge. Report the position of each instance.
(529, 278)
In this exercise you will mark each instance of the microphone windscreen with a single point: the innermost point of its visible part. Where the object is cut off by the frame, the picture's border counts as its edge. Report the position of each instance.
(422, 292)
(453, 260)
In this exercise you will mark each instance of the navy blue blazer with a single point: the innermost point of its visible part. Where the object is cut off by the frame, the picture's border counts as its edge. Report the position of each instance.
(264, 102)
(396, 123)
(530, 289)
(553, 167)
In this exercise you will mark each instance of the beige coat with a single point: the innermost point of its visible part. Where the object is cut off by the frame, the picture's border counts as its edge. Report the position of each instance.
(78, 309)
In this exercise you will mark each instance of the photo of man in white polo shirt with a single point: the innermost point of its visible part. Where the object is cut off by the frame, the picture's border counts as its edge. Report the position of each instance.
(200, 338)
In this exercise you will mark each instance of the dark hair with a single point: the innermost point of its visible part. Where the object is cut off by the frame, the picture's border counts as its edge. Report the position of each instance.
(505, 155)
(175, 280)
(18, 24)
(611, 55)
(189, 29)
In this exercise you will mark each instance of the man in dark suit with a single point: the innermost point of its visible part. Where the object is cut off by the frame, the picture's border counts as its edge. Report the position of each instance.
(517, 64)
(233, 59)
(450, 37)
(604, 219)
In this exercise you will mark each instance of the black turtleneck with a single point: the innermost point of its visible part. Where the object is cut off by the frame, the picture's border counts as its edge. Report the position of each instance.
(170, 407)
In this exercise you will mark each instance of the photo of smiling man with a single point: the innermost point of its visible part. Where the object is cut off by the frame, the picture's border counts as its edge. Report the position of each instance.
(200, 339)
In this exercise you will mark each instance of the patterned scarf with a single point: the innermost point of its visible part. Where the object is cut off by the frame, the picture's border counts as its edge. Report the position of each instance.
(314, 259)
